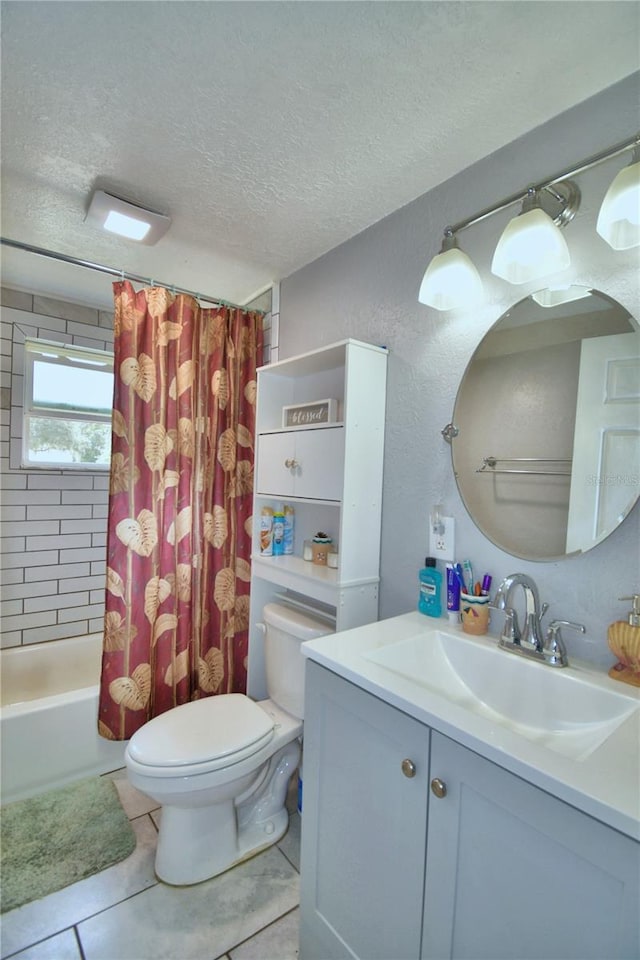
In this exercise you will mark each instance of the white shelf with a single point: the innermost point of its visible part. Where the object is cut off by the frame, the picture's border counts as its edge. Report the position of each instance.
(309, 426)
(286, 498)
(338, 482)
(302, 576)
(299, 575)
(317, 361)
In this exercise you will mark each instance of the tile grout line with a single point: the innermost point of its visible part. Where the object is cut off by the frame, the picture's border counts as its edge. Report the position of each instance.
(227, 955)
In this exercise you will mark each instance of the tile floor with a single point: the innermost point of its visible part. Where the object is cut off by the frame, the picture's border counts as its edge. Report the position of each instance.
(124, 913)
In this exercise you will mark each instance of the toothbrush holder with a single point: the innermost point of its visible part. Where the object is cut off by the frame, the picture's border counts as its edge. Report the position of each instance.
(474, 613)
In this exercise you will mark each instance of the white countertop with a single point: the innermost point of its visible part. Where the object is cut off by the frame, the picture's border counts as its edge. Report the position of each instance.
(605, 784)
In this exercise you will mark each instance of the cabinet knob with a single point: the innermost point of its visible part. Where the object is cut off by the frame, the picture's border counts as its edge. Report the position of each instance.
(439, 788)
(290, 463)
(408, 767)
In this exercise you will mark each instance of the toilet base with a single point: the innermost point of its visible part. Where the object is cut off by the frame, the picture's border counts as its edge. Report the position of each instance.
(197, 843)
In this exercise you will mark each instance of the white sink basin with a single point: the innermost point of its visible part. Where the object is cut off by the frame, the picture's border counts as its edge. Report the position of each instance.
(563, 709)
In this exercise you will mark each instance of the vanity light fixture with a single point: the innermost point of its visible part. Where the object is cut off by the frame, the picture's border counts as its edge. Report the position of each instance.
(451, 280)
(532, 245)
(126, 219)
(619, 217)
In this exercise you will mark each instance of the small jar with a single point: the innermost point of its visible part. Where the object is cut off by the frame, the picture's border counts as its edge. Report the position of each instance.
(307, 550)
(320, 548)
(332, 557)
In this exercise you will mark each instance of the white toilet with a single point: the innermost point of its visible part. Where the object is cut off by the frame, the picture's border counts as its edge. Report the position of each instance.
(220, 767)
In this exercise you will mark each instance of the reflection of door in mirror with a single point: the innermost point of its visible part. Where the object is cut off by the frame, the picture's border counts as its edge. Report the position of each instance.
(606, 463)
(522, 422)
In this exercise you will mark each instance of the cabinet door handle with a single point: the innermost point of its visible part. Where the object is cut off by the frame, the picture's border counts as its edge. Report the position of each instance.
(439, 788)
(408, 767)
(290, 463)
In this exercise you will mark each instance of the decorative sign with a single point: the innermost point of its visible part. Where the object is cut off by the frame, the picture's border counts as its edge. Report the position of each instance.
(309, 414)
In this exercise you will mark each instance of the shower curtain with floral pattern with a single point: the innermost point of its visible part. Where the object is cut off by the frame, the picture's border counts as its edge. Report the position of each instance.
(180, 504)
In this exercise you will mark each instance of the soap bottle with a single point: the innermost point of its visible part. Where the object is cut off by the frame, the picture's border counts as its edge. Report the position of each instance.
(623, 638)
(430, 589)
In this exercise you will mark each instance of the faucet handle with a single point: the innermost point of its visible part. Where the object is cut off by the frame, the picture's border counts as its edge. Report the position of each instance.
(555, 651)
(554, 626)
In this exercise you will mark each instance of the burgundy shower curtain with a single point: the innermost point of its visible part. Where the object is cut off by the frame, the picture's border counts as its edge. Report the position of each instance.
(180, 504)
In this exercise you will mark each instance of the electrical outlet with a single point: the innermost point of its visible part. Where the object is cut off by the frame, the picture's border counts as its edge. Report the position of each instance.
(442, 545)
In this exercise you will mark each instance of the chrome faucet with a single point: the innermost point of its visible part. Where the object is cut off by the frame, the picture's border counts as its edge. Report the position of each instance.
(530, 642)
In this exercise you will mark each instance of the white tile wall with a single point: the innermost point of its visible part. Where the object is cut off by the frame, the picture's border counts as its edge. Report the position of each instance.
(53, 523)
(53, 529)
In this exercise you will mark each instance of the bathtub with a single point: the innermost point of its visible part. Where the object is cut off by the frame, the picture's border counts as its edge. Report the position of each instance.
(48, 717)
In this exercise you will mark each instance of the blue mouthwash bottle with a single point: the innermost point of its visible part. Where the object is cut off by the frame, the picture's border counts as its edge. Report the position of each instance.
(430, 588)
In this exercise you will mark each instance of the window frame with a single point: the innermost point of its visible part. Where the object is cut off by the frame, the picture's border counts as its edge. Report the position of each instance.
(84, 358)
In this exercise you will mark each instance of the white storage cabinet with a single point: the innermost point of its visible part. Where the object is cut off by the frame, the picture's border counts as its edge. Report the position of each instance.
(331, 473)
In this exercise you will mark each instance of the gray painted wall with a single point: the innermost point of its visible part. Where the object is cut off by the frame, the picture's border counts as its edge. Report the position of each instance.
(367, 289)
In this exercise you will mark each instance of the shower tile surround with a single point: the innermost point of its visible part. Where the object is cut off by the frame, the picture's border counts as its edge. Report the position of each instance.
(248, 913)
(54, 522)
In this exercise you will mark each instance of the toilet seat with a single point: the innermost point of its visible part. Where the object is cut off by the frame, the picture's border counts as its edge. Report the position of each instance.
(201, 736)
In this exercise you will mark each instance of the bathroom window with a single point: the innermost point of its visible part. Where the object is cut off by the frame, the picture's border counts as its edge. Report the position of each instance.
(68, 402)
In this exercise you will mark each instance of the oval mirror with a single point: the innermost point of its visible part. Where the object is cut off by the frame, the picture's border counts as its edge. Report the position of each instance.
(547, 454)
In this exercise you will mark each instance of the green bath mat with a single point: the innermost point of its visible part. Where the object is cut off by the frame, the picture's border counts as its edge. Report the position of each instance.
(60, 837)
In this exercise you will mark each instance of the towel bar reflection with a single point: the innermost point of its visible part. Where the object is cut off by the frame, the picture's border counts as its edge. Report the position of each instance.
(489, 465)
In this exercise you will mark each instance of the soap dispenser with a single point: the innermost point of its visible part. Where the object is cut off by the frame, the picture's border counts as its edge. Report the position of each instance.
(623, 638)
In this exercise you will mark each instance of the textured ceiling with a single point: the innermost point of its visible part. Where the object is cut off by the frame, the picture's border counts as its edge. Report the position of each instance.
(272, 131)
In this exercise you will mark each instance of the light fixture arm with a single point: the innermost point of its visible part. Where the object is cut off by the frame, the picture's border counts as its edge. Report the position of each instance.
(632, 142)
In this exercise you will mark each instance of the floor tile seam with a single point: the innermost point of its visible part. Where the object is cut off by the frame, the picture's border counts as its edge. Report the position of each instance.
(289, 861)
(116, 903)
(78, 942)
(29, 946)
(142, 815)
(146, 813)
(227, 955)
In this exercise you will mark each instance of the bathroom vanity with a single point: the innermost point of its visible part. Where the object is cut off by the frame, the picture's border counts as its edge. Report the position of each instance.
(462, 802)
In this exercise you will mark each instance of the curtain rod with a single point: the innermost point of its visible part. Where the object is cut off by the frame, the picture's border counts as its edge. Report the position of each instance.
(112, 271)
(570, 172)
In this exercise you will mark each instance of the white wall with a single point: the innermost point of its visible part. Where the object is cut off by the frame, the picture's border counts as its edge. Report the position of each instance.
(367, 288)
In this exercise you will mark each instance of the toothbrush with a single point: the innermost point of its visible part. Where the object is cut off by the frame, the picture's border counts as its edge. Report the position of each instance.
(468, 575)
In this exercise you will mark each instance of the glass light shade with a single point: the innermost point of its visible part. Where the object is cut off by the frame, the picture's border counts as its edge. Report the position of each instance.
(530, 247)
(553, 296)
(451, 282)
(619, 218)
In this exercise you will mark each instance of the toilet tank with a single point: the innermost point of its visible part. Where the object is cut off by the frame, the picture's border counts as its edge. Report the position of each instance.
(285, 630)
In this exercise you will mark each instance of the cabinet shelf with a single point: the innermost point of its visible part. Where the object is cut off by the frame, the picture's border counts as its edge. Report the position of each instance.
(271, 497)
(298, 429)
(301, 576)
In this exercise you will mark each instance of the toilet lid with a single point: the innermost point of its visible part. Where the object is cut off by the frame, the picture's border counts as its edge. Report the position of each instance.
(216, 728)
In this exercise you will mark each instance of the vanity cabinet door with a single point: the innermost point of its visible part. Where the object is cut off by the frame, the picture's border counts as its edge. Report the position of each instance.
(363, 824)
(301, 463)
(513, 872)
